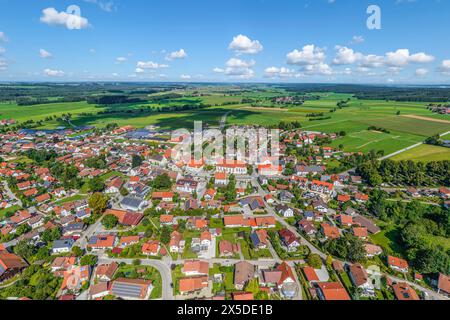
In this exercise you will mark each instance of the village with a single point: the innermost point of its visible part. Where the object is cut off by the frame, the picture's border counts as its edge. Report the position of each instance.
(109, 214)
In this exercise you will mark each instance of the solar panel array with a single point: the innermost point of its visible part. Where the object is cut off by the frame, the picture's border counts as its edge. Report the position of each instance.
(128, 290)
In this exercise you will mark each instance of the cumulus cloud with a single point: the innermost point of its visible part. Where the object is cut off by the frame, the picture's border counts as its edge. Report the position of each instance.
(309, 55)
(237, 68)
(54, 73)
(244, 45)
(317, 69)
(275, 72)
(185, 76)
(445, 67)
(346, 55)
(180, 54)
(402, 57)
(150, 65)
(52, 17)
(139, 70)
(372, 61)
(421, 72)
(45, 54)
(238, 63)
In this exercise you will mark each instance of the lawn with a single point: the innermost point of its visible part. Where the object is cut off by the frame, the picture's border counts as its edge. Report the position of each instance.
(424, 153)
(389, 239)
(10, 210)
(71, 199)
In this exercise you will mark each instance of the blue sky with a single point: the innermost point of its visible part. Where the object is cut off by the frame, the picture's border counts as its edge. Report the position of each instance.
(218, 40)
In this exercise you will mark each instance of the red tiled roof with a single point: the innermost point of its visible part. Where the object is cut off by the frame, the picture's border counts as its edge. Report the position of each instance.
(333, 291)
(310, 274)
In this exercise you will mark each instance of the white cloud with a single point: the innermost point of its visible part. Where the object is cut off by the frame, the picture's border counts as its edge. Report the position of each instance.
(45, 54)
(243, 44)
(275, 72)
(139, 70)
(242, 73)
(421, 58)
(237, 68)
(185, 76)
(309, 55)
(357, 39)
(421, 72)
(2, 50)
(150, 65)
(372, 61)
(218, 70)
(180, 54)
(317, 69)
(402, 57)
(54, 73)
(238, 63)
(347, 71)
(71, 21)
(3, 37)
(445, 67)
(346, 56)
(120, 60)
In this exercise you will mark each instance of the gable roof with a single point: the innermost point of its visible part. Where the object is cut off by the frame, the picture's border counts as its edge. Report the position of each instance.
(333, 291)
(403, 291)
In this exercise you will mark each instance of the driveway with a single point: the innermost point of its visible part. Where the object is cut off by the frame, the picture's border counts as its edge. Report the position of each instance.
(163, 268)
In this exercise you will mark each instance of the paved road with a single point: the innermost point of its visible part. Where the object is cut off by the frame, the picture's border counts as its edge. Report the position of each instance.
(162, 267)
(433, 294)
(11, 194)
(409, 148)
(401, 151)
(272, 212)
(87, 234)
(223, 121)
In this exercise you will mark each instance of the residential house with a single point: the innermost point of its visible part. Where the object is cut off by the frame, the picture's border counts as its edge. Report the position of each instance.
(131, 289)
(398, 264)
(404, 291)
(105, 272)
(289, 239)
(260, 239)
(243, 272)
(195, 268)
(331, 291)
(192, 284)
(329, 231)
(10, 265)
(102, 242)
(151, 248)
(62, 246)
(361, 280)
(284, 210)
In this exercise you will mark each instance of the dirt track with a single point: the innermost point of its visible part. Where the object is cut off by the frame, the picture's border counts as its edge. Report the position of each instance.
(426, 118)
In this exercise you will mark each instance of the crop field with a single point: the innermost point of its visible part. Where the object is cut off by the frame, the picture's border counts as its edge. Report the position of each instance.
(424, 153)
(407, 122)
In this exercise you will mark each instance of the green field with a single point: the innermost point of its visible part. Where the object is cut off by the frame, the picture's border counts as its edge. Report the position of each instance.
(424, 153)
(353, 119)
